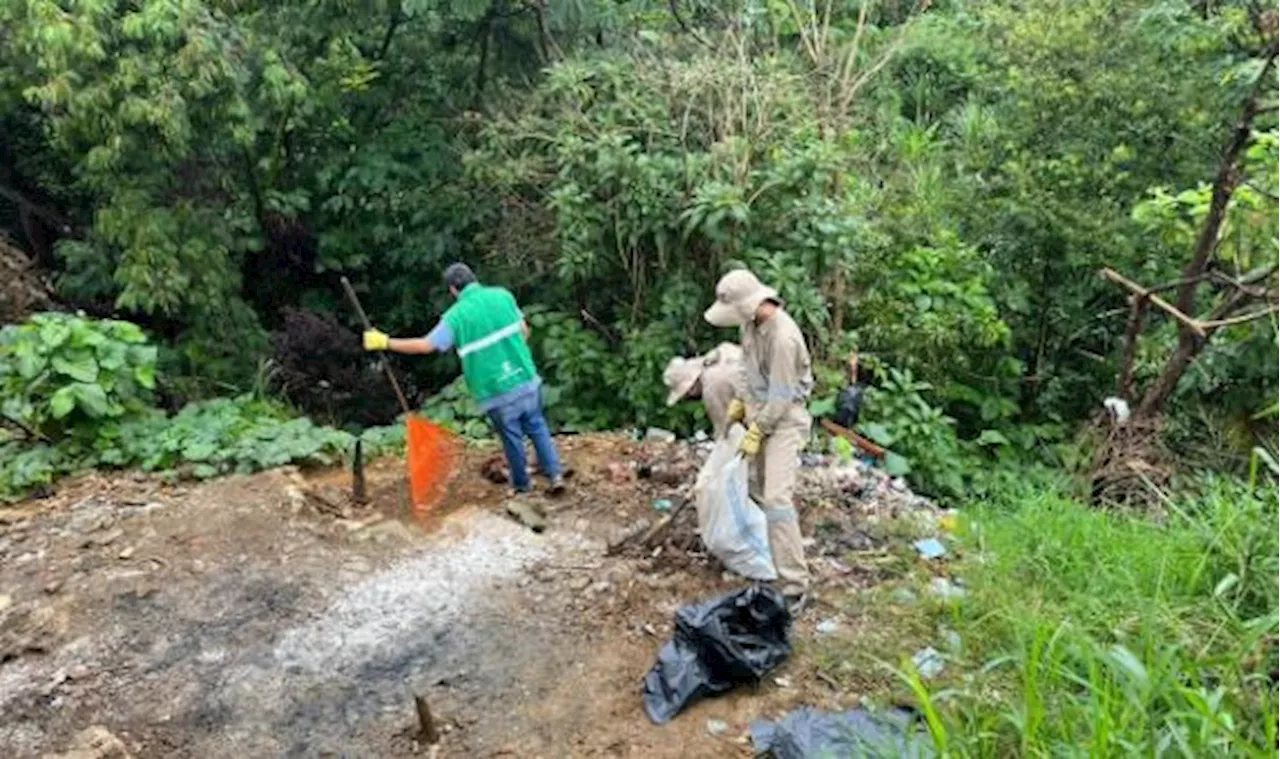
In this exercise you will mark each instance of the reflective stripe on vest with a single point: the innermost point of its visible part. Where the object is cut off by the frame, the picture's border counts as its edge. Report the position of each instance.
(493, 338)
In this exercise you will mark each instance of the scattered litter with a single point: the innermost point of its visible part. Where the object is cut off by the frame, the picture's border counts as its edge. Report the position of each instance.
(662, 504)
(807, 733)
(6, 601)
(700, 436)
(1118, 408)
(717, 726)
(732, 526)
(658, 435)
(827, 626)
(930, 548)
(782, 682)
(949, 520)
(494, 469)
(951, 639)
(620, 473)
(904, 596)
(928, 662)
(945, 589)
(719, 643)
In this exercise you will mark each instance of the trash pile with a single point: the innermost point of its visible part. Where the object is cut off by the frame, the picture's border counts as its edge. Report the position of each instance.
(837, 499)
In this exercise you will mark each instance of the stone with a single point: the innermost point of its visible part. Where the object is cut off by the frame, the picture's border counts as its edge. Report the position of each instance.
(579, 583)
(126, 554)
(717, 727)
(95, 742)
(6, 601)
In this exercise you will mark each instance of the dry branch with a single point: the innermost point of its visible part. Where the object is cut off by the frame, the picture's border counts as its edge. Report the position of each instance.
(1143, 293)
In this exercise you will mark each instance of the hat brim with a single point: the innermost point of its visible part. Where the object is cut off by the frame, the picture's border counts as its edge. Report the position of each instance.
(723, 315)
(680, 391)
(736, 314)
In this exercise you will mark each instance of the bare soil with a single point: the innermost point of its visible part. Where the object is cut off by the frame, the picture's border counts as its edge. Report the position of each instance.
(265, 615)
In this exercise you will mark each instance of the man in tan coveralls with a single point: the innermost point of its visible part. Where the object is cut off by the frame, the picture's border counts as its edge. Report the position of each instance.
(716, 378)
(778, 378)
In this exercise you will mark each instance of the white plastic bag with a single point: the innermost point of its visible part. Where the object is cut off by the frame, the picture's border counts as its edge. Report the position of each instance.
(732, 526)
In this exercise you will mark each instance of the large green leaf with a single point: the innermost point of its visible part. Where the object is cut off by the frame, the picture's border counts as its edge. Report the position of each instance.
(78, 366)
(92, 399)
(29, 362)
(63, 402)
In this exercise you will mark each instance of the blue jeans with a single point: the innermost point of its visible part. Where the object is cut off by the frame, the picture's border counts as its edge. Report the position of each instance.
(513, 421)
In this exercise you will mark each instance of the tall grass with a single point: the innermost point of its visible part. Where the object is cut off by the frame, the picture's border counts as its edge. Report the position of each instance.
(1095, 634)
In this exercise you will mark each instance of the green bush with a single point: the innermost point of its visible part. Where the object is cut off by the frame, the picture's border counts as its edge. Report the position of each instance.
(77, 394)
(62, 374)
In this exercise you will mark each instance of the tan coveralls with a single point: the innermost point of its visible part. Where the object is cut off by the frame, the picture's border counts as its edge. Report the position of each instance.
(722, 380)
(778, 377)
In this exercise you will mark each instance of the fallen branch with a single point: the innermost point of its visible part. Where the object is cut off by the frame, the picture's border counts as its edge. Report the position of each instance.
(1155, 300)
(859, 441)
(663, 524)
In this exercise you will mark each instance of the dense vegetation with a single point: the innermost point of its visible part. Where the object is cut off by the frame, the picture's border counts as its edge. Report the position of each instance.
(935, 185)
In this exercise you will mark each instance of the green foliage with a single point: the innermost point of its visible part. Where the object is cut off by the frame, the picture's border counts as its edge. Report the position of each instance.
(221, 436)
(921, 437)
(1087, 631)
(454, 409)
(62, 375)
(77, 393)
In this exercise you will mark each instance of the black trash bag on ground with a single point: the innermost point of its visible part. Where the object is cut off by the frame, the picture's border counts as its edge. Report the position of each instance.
(718, 644)
(807, 733)
(849, 406)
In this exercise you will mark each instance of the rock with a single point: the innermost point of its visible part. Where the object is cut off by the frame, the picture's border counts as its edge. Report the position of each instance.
(78, 672)
(600, 587)
(386, 529)
(126, 554)
(527, 514)
(53, 586)
(94, 743)
(106, 538)
(6, 601)
(659, 435)
(717, 727)
(782, 682)
(579, 583)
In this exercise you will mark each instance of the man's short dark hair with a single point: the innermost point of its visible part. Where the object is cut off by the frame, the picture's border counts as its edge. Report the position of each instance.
(458, 276)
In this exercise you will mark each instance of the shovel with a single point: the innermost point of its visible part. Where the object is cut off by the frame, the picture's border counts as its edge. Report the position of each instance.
(430, 450)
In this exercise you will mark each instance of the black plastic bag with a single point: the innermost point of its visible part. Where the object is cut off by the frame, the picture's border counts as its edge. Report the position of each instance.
(807, 733)
(849, 406)
(720, 643)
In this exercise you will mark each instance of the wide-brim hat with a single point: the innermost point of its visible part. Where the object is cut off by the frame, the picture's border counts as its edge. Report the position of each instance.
(738, 294)
(680, 376)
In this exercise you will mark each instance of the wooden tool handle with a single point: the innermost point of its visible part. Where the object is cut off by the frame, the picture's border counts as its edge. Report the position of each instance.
(364, 319)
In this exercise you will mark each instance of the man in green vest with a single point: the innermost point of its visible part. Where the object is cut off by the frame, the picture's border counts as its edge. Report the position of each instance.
(488, 330)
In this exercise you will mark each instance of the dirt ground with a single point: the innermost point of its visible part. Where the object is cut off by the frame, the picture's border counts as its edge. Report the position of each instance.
(266, 616)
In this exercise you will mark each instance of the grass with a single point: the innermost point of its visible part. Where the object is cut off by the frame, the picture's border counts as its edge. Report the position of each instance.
(1085, 633)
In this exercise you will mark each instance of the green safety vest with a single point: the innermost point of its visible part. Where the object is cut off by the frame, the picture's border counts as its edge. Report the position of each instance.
(487, 333)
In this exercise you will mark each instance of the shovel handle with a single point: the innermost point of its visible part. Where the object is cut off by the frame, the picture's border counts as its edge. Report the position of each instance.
(364, 319)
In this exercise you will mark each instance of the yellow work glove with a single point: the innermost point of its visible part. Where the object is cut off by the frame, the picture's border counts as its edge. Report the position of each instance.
(736, 412)
(375, 340)
(751, 441)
